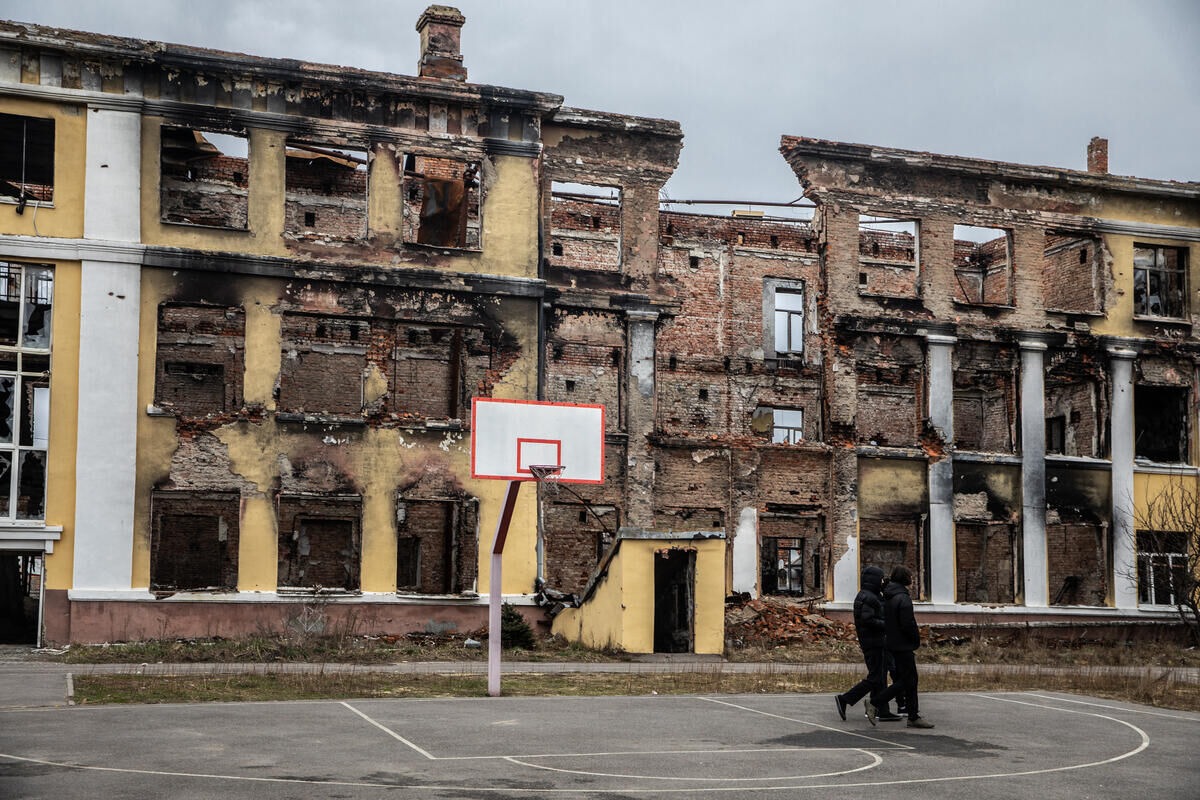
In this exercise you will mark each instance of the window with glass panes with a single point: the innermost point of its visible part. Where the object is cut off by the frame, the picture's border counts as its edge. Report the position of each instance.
(1159, 281)
(26, 301)
(789, 321)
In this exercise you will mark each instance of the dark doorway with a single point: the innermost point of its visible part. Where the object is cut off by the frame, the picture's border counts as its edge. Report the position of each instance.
(20, 593)
(674, 574)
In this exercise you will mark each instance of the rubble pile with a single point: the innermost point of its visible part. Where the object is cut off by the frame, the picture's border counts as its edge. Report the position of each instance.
(775, 621)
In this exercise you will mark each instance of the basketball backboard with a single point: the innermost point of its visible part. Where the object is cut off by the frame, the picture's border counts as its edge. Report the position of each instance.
(509, 436)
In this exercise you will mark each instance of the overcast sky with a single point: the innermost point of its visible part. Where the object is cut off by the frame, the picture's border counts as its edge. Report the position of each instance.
(1026, 81)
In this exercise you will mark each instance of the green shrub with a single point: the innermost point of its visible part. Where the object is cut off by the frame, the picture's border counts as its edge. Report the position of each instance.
(514, 630)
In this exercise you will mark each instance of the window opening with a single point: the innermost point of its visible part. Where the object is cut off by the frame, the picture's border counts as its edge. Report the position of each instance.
(1161, 567)
(26, 159)
(588, 217)
(26, 302)
(326, 192)
(1159, 281)
(783, 425)
(789, 321)
(1056, 435)
(888, 255)
(443, 202)
(982, 265)
(203, 178)
(1160, 423)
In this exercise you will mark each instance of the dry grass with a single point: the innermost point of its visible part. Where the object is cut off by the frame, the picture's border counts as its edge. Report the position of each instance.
(1159, 690)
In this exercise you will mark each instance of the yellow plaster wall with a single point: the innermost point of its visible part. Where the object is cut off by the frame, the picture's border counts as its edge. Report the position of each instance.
(888, 485)
(620, 612)
(1118, 321)
(1149, 486)
(65, 218)
(266, 192)
(64, 431)
(510, 219)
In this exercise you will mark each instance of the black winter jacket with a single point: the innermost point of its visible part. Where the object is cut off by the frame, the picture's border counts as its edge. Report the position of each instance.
(901, 623)
(868, 610)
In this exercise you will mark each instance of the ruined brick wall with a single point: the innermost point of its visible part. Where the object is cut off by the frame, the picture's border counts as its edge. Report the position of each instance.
(690, 489)
(1071, 277)
(574, 541)
(324, 197)
(436, 546)
(319, 542)
(324, 362)
(985, 563)
(585, 234)
(985, 401)
(194, 541)
(890, 374)
(211, 191)
(585, 360)
(199, 359)
(887, 262)
(1077, 563)
(442, 202)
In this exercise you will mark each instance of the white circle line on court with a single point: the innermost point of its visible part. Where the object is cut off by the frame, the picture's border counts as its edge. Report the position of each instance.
(876, 760)
(1164, 715)
(1145, 742)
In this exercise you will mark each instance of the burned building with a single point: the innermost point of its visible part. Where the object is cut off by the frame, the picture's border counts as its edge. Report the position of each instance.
(250, 302)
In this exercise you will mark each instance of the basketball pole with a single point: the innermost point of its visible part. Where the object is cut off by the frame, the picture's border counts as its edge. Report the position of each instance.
(494, 581)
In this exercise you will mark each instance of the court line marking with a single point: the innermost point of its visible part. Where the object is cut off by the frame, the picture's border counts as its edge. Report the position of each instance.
(885, 742)
(876, 761)
(1115, 708)
(636, 790)
(390, 732)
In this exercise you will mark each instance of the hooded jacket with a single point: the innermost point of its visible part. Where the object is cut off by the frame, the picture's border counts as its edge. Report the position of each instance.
(868, 610)
(901, 623)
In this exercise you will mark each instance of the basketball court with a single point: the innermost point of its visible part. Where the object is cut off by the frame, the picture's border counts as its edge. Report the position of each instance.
(985, 746)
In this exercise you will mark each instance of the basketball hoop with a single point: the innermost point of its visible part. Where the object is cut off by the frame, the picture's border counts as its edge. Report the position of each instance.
(548, 475)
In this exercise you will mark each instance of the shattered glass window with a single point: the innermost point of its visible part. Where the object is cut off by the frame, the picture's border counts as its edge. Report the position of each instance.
(26, 300)
(1159, 281)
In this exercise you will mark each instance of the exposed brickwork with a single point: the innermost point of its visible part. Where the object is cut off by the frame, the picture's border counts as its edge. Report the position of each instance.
(200, 359)
(985, 559)
(985, 403)
(1077, 564)
(326, 196)
(575, 541)
(194, 541)
(199, 185)
(319, 542)
(436, 547)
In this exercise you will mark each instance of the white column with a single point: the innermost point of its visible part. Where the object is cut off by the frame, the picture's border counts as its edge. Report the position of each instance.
(110, 306)
(1121, 425)
(1033, 474)
(941, 471)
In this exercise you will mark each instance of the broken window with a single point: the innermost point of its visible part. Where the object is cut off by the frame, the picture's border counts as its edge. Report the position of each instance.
(1071, 272)
(324, 364)
(783, 425)
(783, 318)
(982, 265)
(888, 256)
(435, 545)
(319, 542)
(205, 178)
(1162, 567)
(1160, 423)
(789, 554)
(434, 369)
(1159, 281)
(26, 302)
(326, 192)
(585, 226)
(194, 540)
(442, 202)
(199, 359)
(26, 159)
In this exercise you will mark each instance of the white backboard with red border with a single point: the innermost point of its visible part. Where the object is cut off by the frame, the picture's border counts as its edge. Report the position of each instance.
(507, 436)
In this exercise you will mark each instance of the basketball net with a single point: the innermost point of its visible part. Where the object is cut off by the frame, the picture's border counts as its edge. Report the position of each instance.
(547, 475)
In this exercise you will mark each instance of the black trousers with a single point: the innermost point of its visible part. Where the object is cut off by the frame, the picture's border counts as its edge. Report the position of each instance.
(876, 661)
(905, 686)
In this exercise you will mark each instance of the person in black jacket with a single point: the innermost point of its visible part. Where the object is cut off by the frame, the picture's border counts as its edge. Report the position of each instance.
(869, 625)
(902, 637)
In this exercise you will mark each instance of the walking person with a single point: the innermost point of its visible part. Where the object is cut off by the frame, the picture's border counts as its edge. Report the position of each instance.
(869, 625)
(902, 637)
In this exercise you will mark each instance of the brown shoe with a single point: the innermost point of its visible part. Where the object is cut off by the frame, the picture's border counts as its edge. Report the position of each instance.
(919, 722)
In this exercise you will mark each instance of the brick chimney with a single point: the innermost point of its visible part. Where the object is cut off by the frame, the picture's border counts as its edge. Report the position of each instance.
(1098, 155)
(441, 43)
